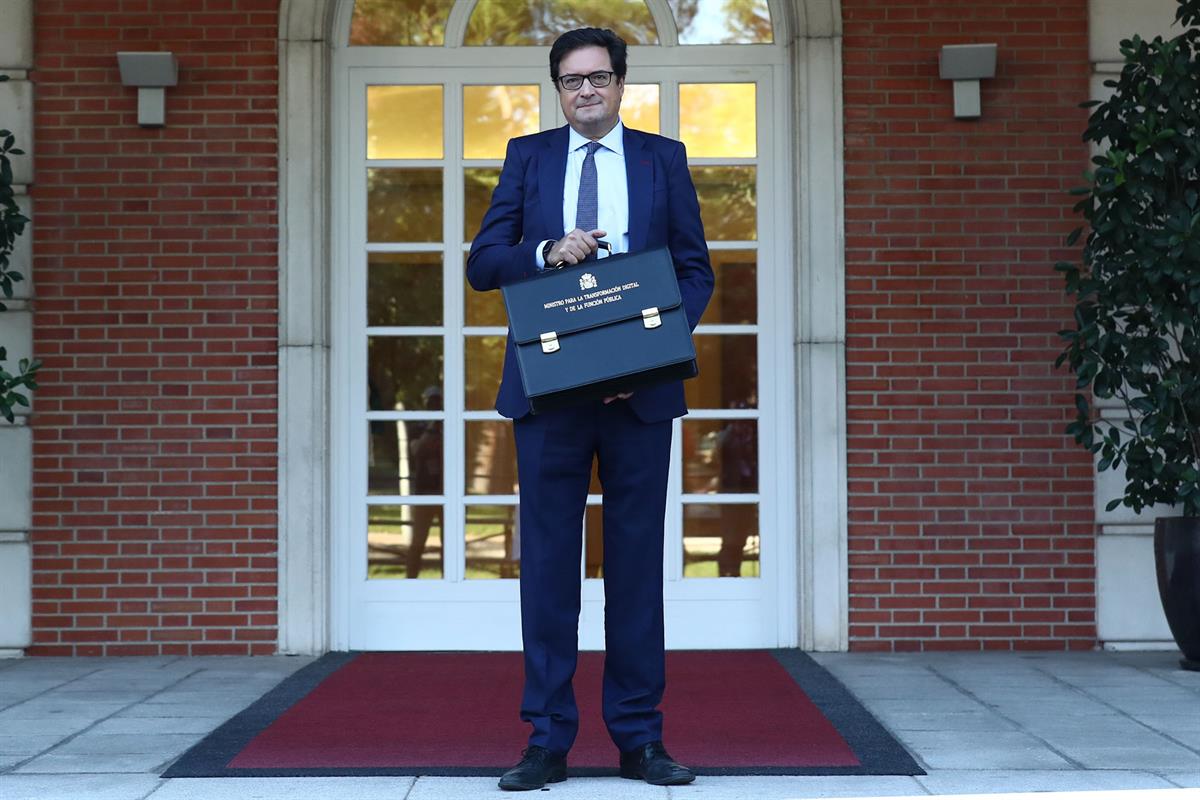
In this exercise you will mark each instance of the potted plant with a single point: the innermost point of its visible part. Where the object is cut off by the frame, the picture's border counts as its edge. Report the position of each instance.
(12, 225)
(1137, 303)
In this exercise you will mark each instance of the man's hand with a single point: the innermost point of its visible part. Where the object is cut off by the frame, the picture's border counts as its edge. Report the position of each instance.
(574, 247)
(618, 396)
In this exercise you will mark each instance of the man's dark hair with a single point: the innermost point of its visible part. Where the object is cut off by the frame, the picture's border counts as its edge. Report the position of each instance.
(589, 37)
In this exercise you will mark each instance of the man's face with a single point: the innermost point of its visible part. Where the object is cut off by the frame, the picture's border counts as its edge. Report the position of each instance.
(591, 111)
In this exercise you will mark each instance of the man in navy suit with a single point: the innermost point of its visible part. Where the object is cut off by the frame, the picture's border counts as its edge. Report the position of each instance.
(561, 193)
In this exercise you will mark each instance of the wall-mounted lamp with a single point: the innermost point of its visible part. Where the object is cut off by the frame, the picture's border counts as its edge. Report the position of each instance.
(150, 72)
(966, 65)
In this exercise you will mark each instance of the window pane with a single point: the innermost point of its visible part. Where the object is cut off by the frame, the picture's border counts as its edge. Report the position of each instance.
(399, 22)
(728, 372)
(728, 202)
(478, 185)
(404, 289)
(716, 120)
(722, 21)
(404, 373)
(404, 457)
(484, 363)
(404, 122)
(540, 22)
(492, 544)
(404, 205)
(639, 107)
(484, 308)
(491, 458)
(494, 114)
(720, 541)
(720, 456)
(735, 297)
(404, 541)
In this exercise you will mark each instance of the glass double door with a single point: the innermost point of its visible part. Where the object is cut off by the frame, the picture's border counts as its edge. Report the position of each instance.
(427, 524)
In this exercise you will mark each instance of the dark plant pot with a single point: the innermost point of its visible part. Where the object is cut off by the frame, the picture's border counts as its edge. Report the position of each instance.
(1177, 562)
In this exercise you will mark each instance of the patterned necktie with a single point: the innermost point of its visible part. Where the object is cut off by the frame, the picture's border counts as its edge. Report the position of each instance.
(587, 210)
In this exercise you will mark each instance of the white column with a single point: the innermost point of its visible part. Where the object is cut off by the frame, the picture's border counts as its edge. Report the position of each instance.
(821, 329)
(304, 255)
(16, 335)
(1129, 614)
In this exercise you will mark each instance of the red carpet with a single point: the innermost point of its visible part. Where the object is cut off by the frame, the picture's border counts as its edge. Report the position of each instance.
(732, 712)
(460, 709)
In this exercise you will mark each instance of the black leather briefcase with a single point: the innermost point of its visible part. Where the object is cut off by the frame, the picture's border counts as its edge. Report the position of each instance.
(599, 328)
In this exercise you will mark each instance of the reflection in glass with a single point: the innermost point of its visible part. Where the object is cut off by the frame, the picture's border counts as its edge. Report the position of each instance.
(404, 205)
(404, 373)
(404, 289)
(493, 543)
(494, 114)
(639, 107)
(484, 363)
(593, 542)
(728, 202)
(399, 22)
(720, 456)
(735, 297)
(404, 541)
(540, 22)
(728, 372)
(716, 120)
(478, 185)
(720, 540)
(404, 122)
(722, 21)
(491, 458)
(404, 457)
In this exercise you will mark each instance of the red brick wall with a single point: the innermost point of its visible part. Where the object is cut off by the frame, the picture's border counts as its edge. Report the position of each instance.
(156, 317)
(971, 523)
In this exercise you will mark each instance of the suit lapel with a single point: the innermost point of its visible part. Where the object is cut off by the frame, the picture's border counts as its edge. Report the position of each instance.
(552, 170)
(639, 173)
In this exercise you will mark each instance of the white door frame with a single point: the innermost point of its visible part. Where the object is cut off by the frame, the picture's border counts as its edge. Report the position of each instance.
(814, 614)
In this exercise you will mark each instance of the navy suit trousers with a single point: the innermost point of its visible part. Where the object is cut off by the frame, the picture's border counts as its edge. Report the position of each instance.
(554, 461)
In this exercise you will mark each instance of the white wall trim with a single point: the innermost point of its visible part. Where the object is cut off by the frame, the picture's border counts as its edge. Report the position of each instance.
(16, 335)
(821, 334)
(304, 195)
(1129, 614)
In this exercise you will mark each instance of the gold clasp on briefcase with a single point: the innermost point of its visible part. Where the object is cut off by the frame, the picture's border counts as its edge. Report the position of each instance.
(550, 342)
(650, 318)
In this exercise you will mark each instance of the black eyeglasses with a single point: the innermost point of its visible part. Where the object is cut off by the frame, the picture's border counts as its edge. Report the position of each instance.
(597, 79)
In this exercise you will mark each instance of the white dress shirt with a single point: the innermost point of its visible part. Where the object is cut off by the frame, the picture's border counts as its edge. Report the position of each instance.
(611, 186)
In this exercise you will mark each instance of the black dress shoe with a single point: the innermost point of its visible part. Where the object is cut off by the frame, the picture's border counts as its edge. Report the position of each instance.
(653, 764)
(537, 768)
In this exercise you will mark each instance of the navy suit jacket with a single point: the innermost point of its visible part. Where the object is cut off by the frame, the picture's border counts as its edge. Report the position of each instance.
(527, 208)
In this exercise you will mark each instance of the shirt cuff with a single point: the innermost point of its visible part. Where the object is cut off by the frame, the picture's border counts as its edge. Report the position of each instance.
(537, 253)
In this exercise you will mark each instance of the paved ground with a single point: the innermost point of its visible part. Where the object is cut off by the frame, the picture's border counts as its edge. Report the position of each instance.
(1110, 725)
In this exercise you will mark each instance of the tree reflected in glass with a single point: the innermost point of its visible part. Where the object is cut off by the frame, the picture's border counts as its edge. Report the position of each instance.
(505, 22)
(728, 202)
(722, 21)
(399, 22)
